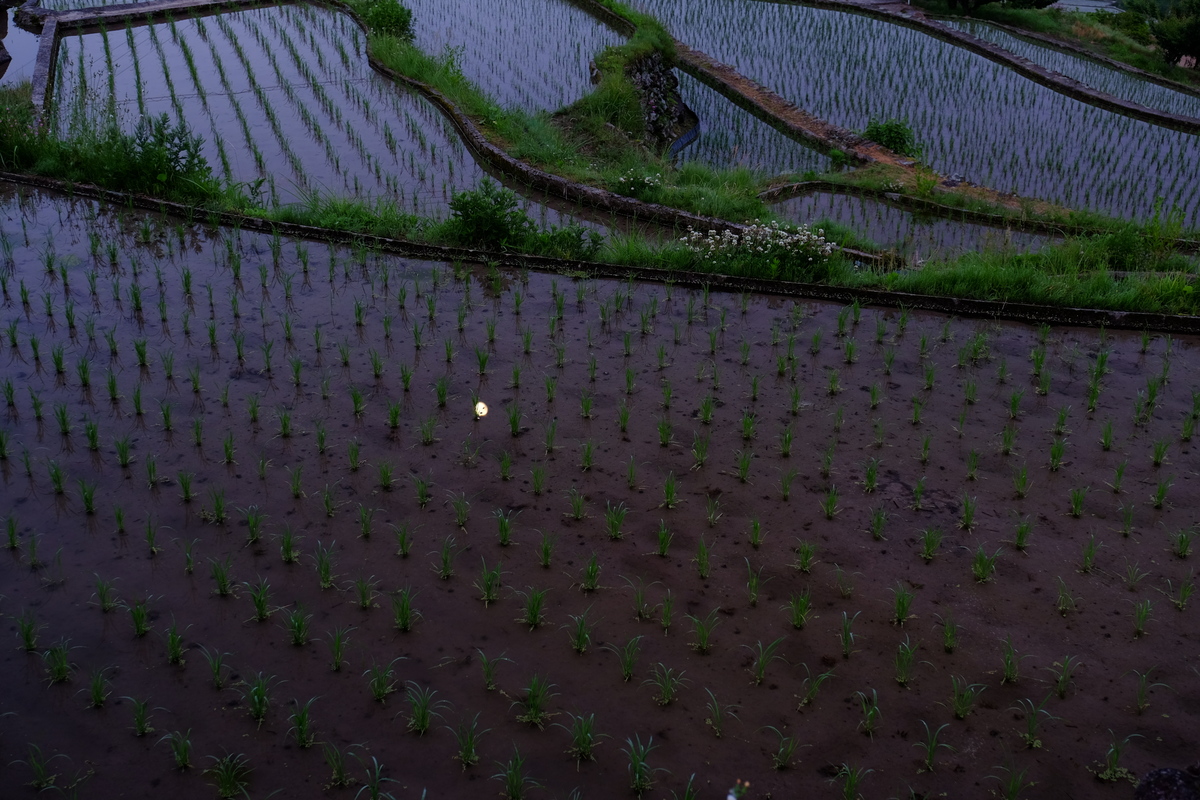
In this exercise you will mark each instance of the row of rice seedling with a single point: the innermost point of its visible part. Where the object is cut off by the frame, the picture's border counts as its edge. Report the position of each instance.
(281, 95)
(732, 137)
(740, 519)
(1095, 74)
(527, 54)
(972, 117)
(918, 237)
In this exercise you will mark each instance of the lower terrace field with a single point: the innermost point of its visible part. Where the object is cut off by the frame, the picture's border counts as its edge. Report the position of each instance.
(258, 539)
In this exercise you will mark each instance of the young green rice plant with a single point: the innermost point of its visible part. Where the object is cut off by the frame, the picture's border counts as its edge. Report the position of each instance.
(626, 656)
(761, 657)
(930, 745)
(139, 615)
(1141, 615)
(1062, 674)
(257, 696)
(614, 518)
(870, 475)
(590, 578)
(216, 666)
(702, 630)
(931, 540)
(918, 493)
(175, 648)
(846, 635)
(141, 716)
(1133, 575)
(1021, 482)
(533, 705)
(423, 708)
(869, 703)
(806, 553)
(1008, 439)
(57, 661)
(381, 680)
(829, 503)
(1180, 596)
(180, 743)
(1058, 449)
(1142, 694)
(1033, 714)
(666, 683)
(966, 518)
(1111, 770)
(703, 559)
(1159, 498)
(983, 566)
(297, 624)
(533, 612)
(489, 665)
(963, 696)
(811, 685)
(949, 631)
(467, 736)
(1090, 549)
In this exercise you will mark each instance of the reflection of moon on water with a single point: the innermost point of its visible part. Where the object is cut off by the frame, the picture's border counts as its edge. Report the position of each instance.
(480, 410)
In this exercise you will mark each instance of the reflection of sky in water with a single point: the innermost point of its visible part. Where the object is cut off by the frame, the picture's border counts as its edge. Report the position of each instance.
(528, 54)
(899, 230)
(22, 46)
(1090, 73)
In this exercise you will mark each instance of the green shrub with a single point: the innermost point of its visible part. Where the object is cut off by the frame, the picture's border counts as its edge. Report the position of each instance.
(894, 134)
(387, 17)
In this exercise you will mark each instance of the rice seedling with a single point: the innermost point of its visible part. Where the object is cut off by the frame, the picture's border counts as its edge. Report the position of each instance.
(257, 696)
(467, 736)
(445, 558)
(229, 775)
(966, 519)
(1111, 770)
(57, 661)
(829, 503)
(297, 624)
(666, 682)
(1133, 575)
(811, 685)
(931, 744)
(1180, 596)
(614, 518)
(461, 508)
(762, 656)
(931, 540)
(963, 696)
(512, 776)
(869, 703)
(381, 680)
(533, 705)
(983, 566)
(1033, 719)
(1063, 673)
(846, 636)
(180, 743)
(175, 648)
(949, 629)
(1142, 693)
(141, 716)
(918, 493)
(1159, 498)
(422, 707)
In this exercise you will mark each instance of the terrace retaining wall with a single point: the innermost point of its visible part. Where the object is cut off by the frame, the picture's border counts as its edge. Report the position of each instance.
(1015, 312)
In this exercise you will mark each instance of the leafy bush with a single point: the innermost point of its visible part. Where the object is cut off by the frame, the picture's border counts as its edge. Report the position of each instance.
(487, 217)
(387, 17)
(1131, 24)
(894, 134)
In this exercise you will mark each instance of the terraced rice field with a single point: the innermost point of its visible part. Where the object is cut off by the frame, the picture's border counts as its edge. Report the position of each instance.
(282, 95)
(974, 118)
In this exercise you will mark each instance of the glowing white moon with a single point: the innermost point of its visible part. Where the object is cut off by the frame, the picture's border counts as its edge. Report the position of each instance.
(481, 409)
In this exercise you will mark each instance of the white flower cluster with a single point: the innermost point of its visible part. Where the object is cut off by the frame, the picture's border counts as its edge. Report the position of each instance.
(770, 239)
(633, 182)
